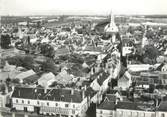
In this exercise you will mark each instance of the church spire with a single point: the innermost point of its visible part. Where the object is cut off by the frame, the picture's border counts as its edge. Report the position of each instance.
(112, 22)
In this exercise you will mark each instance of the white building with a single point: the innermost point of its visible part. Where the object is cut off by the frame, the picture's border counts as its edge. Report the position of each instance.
(139, 67)
(106, 109)
(134, 109)
(60, 102)
(46, 79)
(125, 81)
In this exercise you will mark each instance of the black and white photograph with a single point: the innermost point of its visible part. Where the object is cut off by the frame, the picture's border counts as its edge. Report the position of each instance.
(83, 58)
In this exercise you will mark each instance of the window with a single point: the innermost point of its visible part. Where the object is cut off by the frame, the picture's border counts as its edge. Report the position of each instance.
(162, 115)
(56, 104)
(47, 103)
(16, 100)
(101, 112)
(66, 105)
(74, 106)
(73, 111)
(28, 102)
(38, 102)
(23, 101)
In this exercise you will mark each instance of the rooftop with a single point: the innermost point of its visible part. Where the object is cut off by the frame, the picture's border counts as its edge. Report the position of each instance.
(134, 106)
(65, 95)
(107, 105)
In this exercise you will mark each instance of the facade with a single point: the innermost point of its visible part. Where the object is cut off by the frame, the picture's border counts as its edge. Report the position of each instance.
(134, 109)
(60, 102)
(125, 81)
(106, 109)
(4, 99)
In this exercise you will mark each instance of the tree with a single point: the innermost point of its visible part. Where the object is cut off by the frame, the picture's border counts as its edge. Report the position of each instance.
(27, 62)
(151, 88)
(49, 66)
(5, 41)
(39, 24)
(150, 53)
(47, 50)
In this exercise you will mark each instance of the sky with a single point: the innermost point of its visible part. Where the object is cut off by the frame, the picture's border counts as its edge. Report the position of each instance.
(82, 7)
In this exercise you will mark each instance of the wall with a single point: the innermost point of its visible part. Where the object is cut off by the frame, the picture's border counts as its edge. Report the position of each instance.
(105, 113)
(134, 113)
(52, 106)
(161, 114)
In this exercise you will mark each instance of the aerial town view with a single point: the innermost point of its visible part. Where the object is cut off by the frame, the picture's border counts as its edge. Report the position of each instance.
(103, 59)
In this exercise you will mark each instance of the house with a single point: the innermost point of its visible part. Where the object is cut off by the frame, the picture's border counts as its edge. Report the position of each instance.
(93, 50)
(100, 85)
(125, 81)
(106, 109)
(127, 46)
(162, 109)
(101, 82)
(163, 78)
(138, 67)
(46, 79)
(149, 78)
(134, 109)
(62, 51)
(59, 102)
(24, 75)
(64, 77)
(8, 68)
(4, 99)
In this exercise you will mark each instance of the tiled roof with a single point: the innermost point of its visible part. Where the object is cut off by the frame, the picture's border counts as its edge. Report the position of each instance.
(31, 79)
(102, 77)
(62, 51)
(107, 105)
(110, 97)
(134, 106)
(163, 106)
(64, 95)
(93, 48)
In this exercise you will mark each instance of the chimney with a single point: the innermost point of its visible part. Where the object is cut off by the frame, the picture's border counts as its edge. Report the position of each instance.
(83, 94)
(85, 87)
(72, 91)
(19, 93)
(45, 90)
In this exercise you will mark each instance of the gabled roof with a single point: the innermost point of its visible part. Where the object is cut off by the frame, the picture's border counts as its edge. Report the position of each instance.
(64, 95)
(25, 74)
(102, 77)
(64, 77)
(110, 97)
(107, 105)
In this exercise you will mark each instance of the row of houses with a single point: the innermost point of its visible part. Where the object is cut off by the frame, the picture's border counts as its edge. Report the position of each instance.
(60, 102)
(113, 106)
